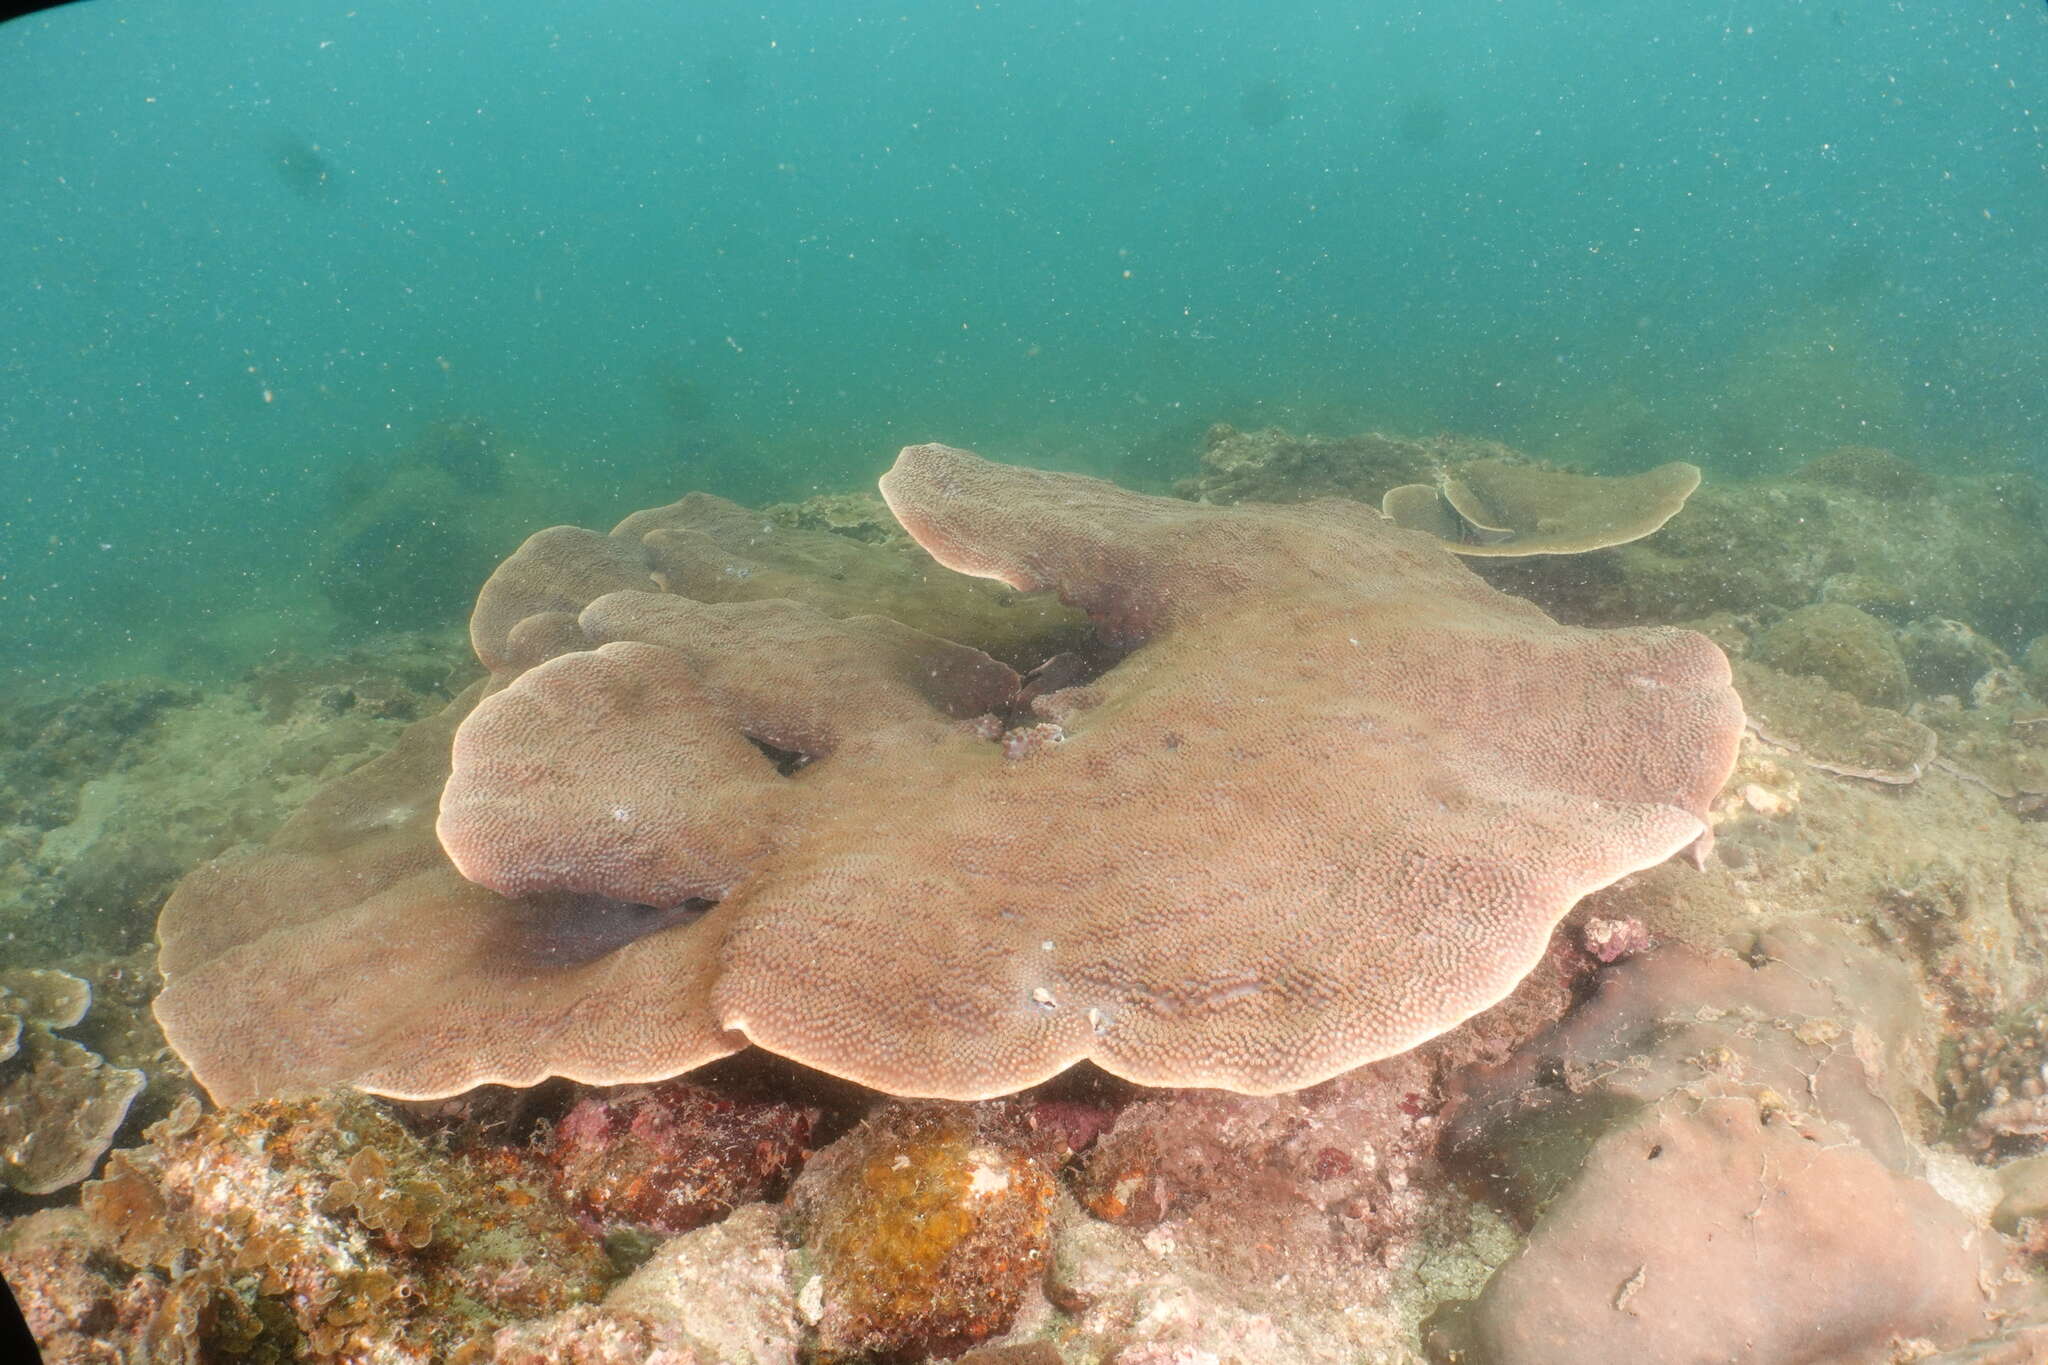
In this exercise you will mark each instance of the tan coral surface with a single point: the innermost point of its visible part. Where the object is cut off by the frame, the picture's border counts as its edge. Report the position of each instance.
(1331, 803)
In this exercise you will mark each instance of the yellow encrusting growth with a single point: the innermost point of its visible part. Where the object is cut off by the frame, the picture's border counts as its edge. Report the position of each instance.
(927, 1232)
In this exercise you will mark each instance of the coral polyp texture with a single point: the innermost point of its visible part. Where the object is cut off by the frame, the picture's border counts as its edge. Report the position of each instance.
(1327, 797)
(710, 550)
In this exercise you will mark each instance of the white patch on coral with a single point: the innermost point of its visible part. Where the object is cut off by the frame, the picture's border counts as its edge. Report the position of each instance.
(1970, 1187)
(1764, 801)
(989, 1174)
(810, 1300)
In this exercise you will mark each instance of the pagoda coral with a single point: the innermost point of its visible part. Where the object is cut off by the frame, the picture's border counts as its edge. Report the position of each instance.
(1325, 795)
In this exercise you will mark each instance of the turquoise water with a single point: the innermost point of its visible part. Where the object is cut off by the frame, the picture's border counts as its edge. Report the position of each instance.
(261, 255)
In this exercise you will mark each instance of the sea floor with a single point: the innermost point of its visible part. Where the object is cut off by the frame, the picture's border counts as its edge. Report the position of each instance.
(1787, 1105)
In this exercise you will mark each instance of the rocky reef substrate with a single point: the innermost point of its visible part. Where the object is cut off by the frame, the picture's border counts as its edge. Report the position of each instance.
(1785, 1107)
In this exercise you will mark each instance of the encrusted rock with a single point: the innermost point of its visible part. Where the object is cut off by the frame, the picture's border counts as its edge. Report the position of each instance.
(1271, 465)
(1867, 469)
(1995, 1085)
(81, 1308)
(672, 1156)
(1705, 1131)
(1803, 1013)
(324, 1229)
(728, 1286)
(2023, 1193)
(409, 529)
(858, 516)
(1973, 550)
(1887, 536)
(129, 792)
(1945, 656)
(718, 1296)
(926, 1228)
(1880, 597)
(1611, 940)
(48, 749)
(1829, 729)
(1332, 1173)
(1731, 1227)
(1850, 649)
(2034, 663)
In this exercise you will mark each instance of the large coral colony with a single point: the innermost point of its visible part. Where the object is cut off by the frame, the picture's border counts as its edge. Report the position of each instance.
(1026, 920)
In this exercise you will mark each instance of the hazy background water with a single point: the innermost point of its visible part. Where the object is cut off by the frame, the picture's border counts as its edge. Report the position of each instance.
(295, 288)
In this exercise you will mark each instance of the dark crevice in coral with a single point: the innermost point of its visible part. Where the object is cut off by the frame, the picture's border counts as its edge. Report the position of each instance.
(567, 929)
(758, 1077)
(1073, 668)
(787, 761)
(488, 1116)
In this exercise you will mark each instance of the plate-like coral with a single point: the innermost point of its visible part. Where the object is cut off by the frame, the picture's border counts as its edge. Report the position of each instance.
(711, 550)
(60, 1102)
(1500, 508)
(1329, 801)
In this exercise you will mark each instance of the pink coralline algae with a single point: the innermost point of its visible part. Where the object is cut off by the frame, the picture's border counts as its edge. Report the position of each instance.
(1611, 940)
(672, 1156)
